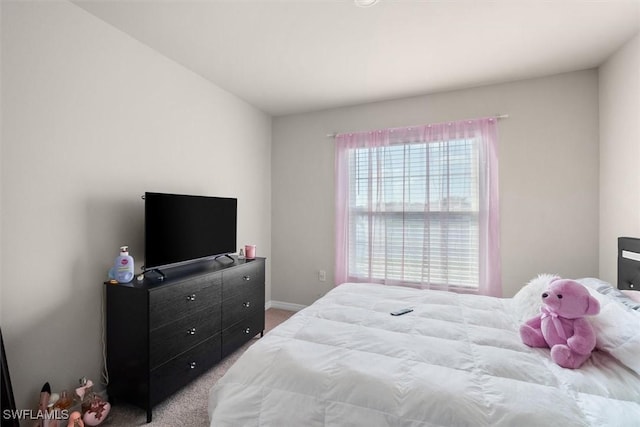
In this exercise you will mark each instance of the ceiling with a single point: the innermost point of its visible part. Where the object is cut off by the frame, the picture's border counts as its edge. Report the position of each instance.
(290, 56)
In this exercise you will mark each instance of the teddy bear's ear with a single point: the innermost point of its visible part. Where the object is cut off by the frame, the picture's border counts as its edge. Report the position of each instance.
(593, 306)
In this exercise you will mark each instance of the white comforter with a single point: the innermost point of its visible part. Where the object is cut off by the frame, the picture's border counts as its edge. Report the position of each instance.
(456, 360)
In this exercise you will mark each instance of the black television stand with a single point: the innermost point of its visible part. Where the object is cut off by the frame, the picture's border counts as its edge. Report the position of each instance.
(157, 270)
(225, 255)
(160, 336)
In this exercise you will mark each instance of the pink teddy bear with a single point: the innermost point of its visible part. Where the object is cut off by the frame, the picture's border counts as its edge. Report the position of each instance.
(561, 324)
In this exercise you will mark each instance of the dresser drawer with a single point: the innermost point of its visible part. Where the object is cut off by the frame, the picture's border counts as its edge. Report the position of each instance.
(174, 338)
(244, 304)
(178, 300)
(238, 334)
(236, 280)
(176, 373)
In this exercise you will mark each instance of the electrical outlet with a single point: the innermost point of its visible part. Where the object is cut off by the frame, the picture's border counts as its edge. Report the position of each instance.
(322, 276)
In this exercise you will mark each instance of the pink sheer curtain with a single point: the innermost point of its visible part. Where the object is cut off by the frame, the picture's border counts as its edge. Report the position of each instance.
(414, 203)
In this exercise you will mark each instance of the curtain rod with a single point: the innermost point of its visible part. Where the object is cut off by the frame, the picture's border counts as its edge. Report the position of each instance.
(499, 117)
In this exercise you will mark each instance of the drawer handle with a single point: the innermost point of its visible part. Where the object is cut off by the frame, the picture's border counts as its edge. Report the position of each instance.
(191, 331)
(191, 297)
(246, 278)
(192, 365)
(246, 331)
(246, 304)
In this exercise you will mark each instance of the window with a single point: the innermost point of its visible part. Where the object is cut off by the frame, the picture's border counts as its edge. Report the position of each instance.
(413, 207)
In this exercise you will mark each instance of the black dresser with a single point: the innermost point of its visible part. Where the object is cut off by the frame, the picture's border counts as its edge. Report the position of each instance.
(163, 334)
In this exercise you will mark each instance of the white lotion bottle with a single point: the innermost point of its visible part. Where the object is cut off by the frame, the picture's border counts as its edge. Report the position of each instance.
(123, 266)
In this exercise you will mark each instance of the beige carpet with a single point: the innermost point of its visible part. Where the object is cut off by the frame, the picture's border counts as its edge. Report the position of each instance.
(188, 407)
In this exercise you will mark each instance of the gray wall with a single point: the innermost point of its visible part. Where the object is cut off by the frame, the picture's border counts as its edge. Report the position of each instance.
(619, 153)
(92, 119)
(548, 154)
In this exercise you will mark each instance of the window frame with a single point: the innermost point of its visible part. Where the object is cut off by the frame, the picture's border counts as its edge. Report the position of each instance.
(485, 130)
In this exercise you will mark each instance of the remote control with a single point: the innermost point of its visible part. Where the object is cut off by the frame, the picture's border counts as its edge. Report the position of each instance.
(401, 312)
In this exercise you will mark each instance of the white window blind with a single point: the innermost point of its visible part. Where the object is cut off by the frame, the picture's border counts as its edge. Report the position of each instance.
(413, 213)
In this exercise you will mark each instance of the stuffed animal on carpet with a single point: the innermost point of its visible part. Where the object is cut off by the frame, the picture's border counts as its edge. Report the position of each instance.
(561, 325)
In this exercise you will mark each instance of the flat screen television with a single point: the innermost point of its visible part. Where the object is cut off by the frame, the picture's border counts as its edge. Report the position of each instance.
(181, 228)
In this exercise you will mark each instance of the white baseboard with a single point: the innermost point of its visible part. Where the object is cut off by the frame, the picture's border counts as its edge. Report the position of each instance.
(283, 305)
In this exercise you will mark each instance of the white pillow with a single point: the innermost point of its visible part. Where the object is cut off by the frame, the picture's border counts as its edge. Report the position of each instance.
(617, 329)
(634, 295)
(527, 302)
(608, 289)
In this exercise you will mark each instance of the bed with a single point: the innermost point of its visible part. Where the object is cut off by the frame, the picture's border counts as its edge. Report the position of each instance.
(455, 360)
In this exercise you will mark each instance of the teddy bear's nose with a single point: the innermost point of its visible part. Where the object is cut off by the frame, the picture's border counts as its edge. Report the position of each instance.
(545, 295)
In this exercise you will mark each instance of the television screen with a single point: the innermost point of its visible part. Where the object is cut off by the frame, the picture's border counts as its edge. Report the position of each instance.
(182, 228)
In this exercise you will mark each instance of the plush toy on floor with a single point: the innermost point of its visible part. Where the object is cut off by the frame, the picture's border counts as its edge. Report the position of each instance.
(94, 408)
(561, 324)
